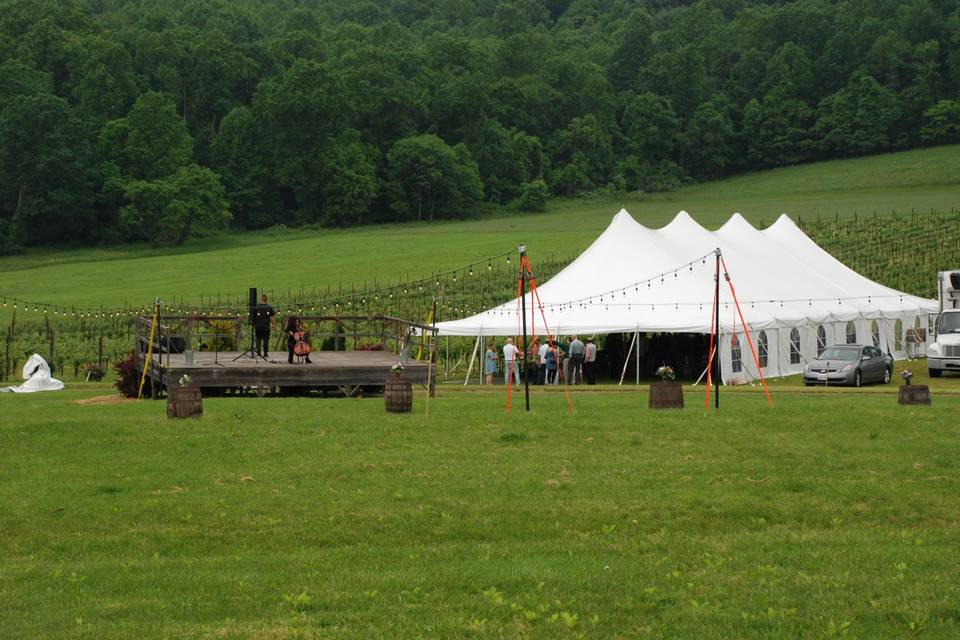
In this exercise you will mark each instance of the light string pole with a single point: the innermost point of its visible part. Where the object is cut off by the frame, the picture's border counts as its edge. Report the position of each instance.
(716, 321)
(523, 312)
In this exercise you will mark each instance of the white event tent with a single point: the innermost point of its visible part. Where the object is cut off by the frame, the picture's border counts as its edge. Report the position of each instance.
(795, 297)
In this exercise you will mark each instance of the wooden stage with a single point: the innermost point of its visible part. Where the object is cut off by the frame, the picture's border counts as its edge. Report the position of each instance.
(330, 372)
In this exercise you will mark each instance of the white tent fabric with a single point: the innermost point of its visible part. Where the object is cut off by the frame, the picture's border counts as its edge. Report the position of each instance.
(36, 373)
(633, 278)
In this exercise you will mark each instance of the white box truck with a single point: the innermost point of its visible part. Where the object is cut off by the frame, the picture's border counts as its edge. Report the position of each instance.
(944, 353)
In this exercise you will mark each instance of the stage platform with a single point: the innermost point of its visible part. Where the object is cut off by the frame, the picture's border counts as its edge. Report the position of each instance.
(330, 372)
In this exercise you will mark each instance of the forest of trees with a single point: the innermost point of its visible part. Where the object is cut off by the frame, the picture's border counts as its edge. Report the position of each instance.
(158, 120)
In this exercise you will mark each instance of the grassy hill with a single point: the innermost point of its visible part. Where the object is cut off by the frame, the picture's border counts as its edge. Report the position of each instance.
(279, 259)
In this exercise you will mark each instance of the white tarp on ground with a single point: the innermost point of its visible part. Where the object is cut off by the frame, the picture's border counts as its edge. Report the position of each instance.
(36, 373)
(633, 278)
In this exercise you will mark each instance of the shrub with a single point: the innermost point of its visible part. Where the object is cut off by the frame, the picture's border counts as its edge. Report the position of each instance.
(128, 378)
(224, 340)
(534, 196)
(92, 372)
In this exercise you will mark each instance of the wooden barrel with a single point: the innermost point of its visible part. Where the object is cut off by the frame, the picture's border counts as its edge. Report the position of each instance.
(398, 394)
(184, 402)
(914, 394)
(666, 395)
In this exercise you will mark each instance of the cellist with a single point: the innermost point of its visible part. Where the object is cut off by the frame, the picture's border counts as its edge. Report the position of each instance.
(295, 337)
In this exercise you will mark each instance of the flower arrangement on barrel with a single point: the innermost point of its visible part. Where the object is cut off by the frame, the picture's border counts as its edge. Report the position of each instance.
(666, 394)
(397, 369)
(666, 373)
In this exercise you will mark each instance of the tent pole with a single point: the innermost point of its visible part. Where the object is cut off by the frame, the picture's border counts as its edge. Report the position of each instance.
(716, 293)
(523, 306)
(470, 367)
(636, 337)
(626, 362)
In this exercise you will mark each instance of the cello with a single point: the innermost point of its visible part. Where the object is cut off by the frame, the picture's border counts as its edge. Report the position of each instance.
(297, 341)
(301, 348)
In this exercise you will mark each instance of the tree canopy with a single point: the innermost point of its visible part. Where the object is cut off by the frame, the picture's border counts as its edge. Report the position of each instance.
(124, 120)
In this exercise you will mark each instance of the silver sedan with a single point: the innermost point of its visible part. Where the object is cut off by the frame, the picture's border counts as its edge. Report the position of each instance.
(851, 364)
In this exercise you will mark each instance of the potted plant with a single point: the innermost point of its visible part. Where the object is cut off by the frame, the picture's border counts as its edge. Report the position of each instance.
(668, 393)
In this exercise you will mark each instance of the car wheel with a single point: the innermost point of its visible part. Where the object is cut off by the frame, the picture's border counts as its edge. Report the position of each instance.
(935, 373)
(886, 376)
(857, 378)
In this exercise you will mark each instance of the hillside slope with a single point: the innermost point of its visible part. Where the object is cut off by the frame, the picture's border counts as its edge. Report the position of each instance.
(280, 259)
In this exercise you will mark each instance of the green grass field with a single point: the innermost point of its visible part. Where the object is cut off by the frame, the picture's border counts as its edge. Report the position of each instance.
(833, 514)
(277, 260)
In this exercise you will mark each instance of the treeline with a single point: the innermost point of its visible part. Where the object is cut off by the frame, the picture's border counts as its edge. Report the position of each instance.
(157, 120)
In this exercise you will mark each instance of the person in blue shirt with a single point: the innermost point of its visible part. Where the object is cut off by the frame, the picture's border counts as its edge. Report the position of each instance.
(490, 363)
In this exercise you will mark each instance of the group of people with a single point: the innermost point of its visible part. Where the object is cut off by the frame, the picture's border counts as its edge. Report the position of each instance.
(575, 359)
(263, 315)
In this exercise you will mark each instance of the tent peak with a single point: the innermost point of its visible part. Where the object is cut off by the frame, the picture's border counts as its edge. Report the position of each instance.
(682, 220)
(737, 221)
(783, 221)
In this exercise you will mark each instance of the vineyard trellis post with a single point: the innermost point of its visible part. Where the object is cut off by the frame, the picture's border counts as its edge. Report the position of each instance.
(6, 359)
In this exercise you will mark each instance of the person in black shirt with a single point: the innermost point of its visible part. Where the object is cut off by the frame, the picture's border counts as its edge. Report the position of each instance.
(262, 320)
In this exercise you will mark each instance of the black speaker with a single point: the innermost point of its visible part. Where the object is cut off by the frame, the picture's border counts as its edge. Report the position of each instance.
(252, 303)
(955, 280)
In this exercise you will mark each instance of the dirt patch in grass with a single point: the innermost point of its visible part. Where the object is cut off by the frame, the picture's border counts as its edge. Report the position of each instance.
(105, 400)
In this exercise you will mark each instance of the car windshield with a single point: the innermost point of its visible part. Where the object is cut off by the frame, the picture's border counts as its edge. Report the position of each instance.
(950, 323)
(840, 353)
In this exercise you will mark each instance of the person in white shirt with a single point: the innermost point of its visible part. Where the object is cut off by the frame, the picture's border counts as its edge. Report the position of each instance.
(542, 362)
(510, 362)
(589, 357)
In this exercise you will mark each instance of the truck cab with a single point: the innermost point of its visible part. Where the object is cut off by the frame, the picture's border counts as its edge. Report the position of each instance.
(944, 353)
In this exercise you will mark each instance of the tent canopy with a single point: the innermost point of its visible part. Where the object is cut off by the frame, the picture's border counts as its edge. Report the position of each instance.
(634, 278)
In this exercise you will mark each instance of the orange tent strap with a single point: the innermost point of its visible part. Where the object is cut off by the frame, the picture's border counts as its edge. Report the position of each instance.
(746, 332)
(710, 353)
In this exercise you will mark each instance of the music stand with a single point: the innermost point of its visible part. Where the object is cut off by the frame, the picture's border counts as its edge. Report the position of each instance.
(216, 350)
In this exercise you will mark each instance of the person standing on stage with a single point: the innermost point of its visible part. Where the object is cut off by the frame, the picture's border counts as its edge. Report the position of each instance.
(262, 320)
(589, 357)
(511, 364)
(293, 328)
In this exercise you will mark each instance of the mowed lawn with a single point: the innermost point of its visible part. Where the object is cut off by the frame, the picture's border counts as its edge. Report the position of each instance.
(277, 260)
(833, 514)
